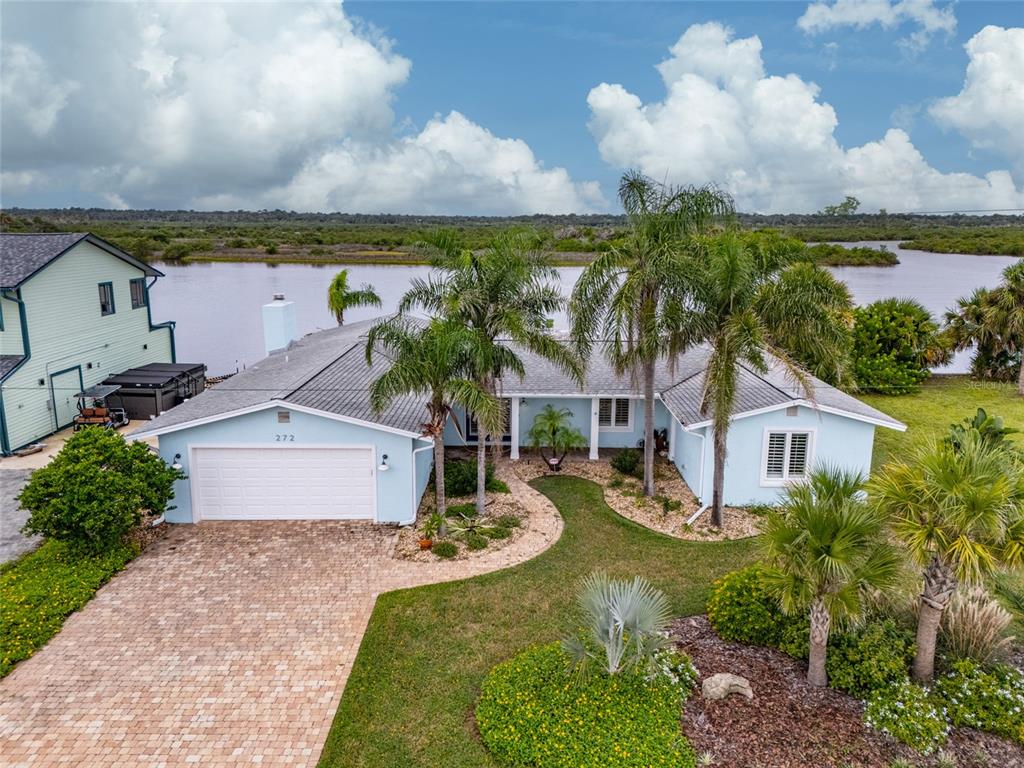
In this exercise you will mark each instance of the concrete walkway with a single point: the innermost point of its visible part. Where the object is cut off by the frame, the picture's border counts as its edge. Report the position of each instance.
(12, 516)
(223, 644)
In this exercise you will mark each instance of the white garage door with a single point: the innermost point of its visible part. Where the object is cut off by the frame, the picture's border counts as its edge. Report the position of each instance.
(283, 483)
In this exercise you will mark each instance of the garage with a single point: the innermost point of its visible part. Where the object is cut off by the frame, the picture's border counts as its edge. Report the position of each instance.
(283, 483)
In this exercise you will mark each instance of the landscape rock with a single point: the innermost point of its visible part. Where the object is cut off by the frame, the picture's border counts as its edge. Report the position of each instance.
(720, 685)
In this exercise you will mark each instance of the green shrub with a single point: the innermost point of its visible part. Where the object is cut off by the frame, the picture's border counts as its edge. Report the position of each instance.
(874, 657)
(476, 542)
(509, 521)
(668, 505)
(905, 712)
(533, 712)
(96, 490)
(40, 589)
(496, 532)
(795, 637)
(742, 610)
(271, 249)
(445, 549)
(892, 342)
(467, 510)
(460, 478)
(990, 701)
(629, 462)
(615, 482)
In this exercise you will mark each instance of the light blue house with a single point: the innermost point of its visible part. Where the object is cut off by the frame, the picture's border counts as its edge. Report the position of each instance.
(74, 310)
(294, 436)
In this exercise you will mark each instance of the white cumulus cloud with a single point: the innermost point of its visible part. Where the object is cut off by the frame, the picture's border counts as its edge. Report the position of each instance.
(928, 18)
(989, 110)
(768, 139)
(285, 105)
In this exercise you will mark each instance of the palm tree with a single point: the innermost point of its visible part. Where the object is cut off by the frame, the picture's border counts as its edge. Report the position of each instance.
(958, 506)
(435, 359)
(824, 548)
(340, 298)
(752, 300)
(552, 428)
(504, 294)
(633, 296)
(992, 321)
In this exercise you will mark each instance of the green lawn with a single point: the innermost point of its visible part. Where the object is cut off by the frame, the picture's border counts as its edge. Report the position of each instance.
(409, 700)
(942, 401)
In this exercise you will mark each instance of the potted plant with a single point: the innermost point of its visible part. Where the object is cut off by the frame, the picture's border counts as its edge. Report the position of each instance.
(553, 435)
(430, 529)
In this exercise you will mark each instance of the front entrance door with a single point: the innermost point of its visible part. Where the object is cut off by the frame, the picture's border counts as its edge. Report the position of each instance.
(64, 385)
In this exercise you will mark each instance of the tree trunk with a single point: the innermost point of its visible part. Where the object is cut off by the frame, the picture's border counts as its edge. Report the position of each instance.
(1020, 377)
(649, 427)
(718, 481)
(481, 469)
(821, 623)
(442, 505)
(939, 586)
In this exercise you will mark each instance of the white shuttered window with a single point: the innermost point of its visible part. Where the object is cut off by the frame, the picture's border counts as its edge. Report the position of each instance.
(615, 413)
(787, 456)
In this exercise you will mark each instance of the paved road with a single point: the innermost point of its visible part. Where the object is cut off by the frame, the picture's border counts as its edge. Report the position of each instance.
(12, 516)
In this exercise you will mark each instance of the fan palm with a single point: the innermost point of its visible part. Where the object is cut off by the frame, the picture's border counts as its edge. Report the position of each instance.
(824, 548)
(959, 509)
(505, 294)
(552, 428)
(991, 321)
(753, 300)
(633, 296)
(436, 360)
(341, 298)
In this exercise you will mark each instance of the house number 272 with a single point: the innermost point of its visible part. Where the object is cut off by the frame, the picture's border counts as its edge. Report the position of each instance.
(284, 438)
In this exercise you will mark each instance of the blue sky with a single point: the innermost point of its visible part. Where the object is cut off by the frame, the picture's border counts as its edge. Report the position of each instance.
(234, 107)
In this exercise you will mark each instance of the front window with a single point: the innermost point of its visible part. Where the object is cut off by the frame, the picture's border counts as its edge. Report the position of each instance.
(106, 298)
(615, 413)
(787, 456)
(138, 291)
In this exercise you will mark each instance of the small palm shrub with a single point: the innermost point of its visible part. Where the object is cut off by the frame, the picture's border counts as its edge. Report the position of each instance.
(988, 700)
(460, 478)
(629, 462)
(873, 657)
(533, 711)
(624, 625)
(904, 711)
(974, 627)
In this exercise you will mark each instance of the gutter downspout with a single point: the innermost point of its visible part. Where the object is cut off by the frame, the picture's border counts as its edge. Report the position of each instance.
(427, 447)
(169, 325)
(703, 460)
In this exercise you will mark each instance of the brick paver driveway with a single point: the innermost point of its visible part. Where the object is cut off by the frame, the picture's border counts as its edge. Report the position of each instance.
(223, 644)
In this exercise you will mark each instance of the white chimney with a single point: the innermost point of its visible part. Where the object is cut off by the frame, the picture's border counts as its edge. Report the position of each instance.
(278, 324)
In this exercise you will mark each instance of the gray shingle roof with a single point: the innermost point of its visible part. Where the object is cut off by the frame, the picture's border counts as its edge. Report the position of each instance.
(24, 254)
(7, 363)
(327, 371)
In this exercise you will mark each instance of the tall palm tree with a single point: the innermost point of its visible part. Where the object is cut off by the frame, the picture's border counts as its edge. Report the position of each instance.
(959, 508)
(505, 294)
(341, 298)
(435, 359)
(633, 296)
(991, 321)
(752, 300)
(824, 548)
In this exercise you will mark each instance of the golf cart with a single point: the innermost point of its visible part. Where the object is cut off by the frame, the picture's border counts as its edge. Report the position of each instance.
(100, 406)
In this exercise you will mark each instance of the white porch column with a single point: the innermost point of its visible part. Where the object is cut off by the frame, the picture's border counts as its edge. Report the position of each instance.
(671, 437)
(595, 427)
(513, 423)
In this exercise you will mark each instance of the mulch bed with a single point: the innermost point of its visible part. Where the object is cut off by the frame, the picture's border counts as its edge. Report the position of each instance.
(789, 724)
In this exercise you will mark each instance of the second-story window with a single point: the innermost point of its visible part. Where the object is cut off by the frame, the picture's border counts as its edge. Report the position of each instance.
(106, 298)
(138, 290)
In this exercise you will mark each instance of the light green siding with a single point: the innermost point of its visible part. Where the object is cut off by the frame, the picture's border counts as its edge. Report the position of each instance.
(10, 321)
(66, 329)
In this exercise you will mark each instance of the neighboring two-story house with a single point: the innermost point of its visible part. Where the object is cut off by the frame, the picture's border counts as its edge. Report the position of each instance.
(74, 310)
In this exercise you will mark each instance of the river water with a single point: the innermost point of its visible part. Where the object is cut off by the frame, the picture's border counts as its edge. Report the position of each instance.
(217, 305)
